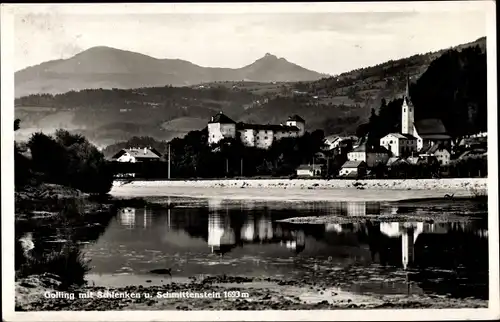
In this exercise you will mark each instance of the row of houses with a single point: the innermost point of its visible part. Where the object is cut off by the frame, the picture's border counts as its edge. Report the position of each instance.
(418, 141)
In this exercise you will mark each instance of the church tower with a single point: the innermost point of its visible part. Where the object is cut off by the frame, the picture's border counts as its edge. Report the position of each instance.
(408, 111)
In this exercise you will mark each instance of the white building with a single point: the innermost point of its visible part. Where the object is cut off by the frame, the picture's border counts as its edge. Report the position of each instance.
(371, 156)
(253, 135)
(309, 170)
(399, 144)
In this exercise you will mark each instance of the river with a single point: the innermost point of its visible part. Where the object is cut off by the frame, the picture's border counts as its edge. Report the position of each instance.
(195, 238)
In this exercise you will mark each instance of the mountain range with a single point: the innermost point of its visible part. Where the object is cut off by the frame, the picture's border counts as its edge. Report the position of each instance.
(105, 67)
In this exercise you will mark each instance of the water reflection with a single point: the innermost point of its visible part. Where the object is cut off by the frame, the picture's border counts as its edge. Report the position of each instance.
(131, 218)
(250, 239)
(226, 231)
(229, 226)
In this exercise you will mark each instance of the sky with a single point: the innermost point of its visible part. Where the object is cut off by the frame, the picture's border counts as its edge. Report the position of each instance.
(327, 42)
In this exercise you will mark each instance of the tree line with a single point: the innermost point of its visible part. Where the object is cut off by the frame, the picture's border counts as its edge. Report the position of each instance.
(192, 157)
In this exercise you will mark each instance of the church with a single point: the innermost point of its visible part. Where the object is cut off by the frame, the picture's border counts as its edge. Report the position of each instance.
(415, 135)
(254, 135)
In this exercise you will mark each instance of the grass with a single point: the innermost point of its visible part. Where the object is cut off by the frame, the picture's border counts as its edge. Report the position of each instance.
(68, 263)
(478, 194)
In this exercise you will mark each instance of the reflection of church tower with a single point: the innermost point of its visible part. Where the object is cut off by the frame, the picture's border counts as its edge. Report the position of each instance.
(248, 229)
(147, 218)
(298, 242)
(408, 247)
(265, 228)
(221, 237)
(407, 112)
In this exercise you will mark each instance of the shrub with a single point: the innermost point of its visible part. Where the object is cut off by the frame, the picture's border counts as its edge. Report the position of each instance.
(68, 263)
(478, 193)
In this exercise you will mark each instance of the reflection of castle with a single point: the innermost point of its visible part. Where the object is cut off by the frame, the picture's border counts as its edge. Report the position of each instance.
(135, 218)
(362, 208)
(127, 217)
(355, 208)
(224, 233)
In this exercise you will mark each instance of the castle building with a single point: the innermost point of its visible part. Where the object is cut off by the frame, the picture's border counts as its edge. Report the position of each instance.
(415, 134)
(253, 135)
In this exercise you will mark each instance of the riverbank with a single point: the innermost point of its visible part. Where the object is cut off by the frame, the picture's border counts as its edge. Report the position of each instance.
(322, 290)
(304, 189)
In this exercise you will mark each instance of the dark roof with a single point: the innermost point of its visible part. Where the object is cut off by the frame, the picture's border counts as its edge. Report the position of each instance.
(394, 161)
(271, 127)
(431, 149)
(409, 136)
(144, 153)
(403, 136)
(435, 136)
(296, 118)
(376, 149)
(221, 118)
(310, 167)
(353, 164)
(412, 160)
(430, 126)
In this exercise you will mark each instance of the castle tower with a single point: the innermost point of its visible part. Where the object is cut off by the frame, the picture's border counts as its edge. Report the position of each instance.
(220, 126)
(408, 111)
(297, 121)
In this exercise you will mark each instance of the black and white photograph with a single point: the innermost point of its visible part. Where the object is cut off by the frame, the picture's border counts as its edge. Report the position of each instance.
(301, 161)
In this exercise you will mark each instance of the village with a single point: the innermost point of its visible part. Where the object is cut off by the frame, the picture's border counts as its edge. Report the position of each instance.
(425, 143)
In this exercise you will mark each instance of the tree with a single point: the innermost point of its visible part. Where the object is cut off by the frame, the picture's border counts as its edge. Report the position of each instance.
(69, 159)
(453, 89)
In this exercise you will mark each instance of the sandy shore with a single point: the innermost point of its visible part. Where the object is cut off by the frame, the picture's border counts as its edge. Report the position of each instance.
(297, 189)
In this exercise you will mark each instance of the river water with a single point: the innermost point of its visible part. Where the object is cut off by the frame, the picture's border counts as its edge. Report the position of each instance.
(199, 237)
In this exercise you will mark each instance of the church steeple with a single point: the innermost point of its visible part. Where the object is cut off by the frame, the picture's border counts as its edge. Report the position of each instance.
(407, 113)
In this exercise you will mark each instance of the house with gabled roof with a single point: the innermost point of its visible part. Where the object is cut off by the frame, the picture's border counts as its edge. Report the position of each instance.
(442, 154)
(353, 169)
(134, 155)
(399, 144)
(372, 155)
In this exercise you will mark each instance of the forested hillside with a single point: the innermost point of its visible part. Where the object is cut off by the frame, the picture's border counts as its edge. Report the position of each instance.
(452, 89)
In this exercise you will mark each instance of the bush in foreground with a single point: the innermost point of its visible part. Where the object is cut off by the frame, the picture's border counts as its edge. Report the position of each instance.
(68, 263)
(70, 160)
